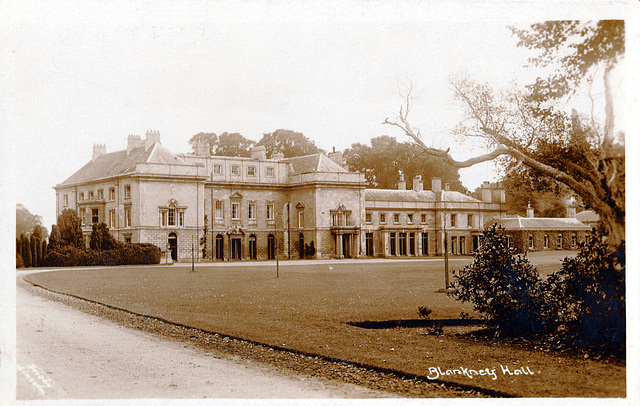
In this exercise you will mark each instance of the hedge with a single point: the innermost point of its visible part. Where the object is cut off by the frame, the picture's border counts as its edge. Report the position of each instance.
(124, 254)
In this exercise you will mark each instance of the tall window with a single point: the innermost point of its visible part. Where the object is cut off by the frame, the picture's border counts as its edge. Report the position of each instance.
(83, 220)
(367, 218)
(112, 193)
(172, 215)
(425, 244)
(112, 218)
(423, 218)
(300, 218)
(270, 211)
(81, 196)
(574, 241)
(66, 200)
(218, 210)
(396, 217)
(546, 241)
(392, 243)
(94, 216)
(340, 216)
(127, 216)
(383, 218)
(252, 211)
(470, 220)
(90, 195)
(559, 246)
(453, 220)
(531, 242)
(101, 194)
(127, 191)
(235, 211)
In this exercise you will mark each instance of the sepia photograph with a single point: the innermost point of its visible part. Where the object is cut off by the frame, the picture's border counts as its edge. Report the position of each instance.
(264, 201)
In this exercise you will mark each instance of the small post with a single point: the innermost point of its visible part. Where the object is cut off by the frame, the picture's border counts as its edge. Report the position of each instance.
(193, 269)
(277, 260)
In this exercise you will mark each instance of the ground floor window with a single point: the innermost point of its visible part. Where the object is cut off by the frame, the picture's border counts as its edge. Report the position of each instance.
(219, 247)
(392, 243)
(425, 244)
(271, 246)
(463, 245)
(412, 243)
(546, 242)
(369, 244)
(253, 252)
(559, 246)
(531, 245)
(402, 243)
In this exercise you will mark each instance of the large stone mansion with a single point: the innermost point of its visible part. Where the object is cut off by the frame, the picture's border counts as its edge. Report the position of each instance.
(259, 207)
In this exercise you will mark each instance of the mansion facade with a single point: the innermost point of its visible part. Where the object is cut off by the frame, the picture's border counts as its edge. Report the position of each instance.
(231, 208)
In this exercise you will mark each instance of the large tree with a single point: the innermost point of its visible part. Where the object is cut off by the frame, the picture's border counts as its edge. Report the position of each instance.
(209, 139)
(233, 144)
(384, 160)
(289, 143)
(525, 127)
(70, 228)
(26, 221)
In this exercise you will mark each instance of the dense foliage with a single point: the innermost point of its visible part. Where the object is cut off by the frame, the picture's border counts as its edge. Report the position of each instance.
(503, 287)
(581, 304)
(289, 143)
(124, 254)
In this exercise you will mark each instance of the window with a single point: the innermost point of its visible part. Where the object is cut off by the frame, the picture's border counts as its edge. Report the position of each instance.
(392, 243)
(546, 242)
(127, 191)
(340, 216)
(271, 172)
(94, 216)
(470, 220)
(510, 241)
(574, 241)
(112, 193)
(81, 196)
(410, 218)
(367, 217)
(218, 210)
(112, 218)
(396, 218)
(100, 194)
(171, 217)
(423, 218)
(530, 242)
(559, 246)
(402, 243)
(181, 218)
(163, 218)
(453, 220)
(90, 195)
(127, 217)
(301, 219)
(412, 244)
(425, 244)
(251, 171)
(127, 239)
(217, 169)
(383, 218)
(252, 211)
(66, 200)
(235, 169)
(270, 211)
(83, 220)
(235, 211)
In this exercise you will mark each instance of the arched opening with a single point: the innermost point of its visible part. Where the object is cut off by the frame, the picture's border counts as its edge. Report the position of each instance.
(173, 246)
(219, 247)
(253, 247)
(271, 246)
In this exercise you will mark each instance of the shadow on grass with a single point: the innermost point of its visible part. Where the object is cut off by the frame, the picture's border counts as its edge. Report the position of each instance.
(415, 323)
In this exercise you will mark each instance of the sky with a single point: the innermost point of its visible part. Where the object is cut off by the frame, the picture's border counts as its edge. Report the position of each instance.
(83, 72)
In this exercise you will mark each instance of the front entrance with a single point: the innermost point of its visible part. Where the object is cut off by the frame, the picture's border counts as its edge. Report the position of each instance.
(369, 244)
(219, 247)
(236, 248)
(252, 247)
(346, 252)
(173, 246)
(271, 246)
(301, 245)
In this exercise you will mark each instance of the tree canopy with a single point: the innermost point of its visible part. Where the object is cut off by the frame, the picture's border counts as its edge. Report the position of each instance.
(70, 229)
(289, 143)
(26, 222)
(551, 143)
(225, 144)
(384, 160)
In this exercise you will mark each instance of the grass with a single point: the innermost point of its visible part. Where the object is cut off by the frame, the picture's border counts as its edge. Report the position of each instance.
(312, 306)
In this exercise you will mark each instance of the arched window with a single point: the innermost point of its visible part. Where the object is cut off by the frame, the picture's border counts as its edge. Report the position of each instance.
(253, 252)
(172, 215)
(271, 246)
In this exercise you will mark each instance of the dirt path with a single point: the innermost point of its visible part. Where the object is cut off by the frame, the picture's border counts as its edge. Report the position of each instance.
(65, 353)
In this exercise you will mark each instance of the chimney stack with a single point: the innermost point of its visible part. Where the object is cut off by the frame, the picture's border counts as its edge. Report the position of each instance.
(529, 211)
(571, 208)
(336, 156)
(98, 149)
(417, 183)
(436, 184)
(446, 185)
(202, 148)
(259, 152)
(277, 156)
(153, 137)
(486, 192)
(133, 141)
(402, 184)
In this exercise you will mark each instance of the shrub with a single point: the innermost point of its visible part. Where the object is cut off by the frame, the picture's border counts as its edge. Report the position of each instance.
(26, 251)
(123, 254)
(586, 298)
(504, 287)
(19, 262)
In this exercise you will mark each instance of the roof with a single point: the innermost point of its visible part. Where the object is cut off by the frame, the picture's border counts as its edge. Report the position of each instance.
(119, 162)
(313, 163)
(395, 195)
(529, 223)
(588, 216)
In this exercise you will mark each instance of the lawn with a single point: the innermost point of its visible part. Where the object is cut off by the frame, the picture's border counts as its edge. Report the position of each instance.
(309, 309)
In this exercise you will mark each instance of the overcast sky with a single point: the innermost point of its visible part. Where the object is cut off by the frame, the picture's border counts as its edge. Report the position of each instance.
(87, 72)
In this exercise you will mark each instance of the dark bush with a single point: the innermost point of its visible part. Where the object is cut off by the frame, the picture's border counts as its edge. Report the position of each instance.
(19, 261)
(586, 298)
(501, 286)
(124, 254)
(26, 250)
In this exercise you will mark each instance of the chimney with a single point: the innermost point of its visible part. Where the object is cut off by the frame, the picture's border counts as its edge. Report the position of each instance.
(529, 211)
(336, 156)
(571, 208)
(259, 152)
(277, 156)
(153, 137)
(446, 186)
(417, 183)
(133, 141)
(202, 148)
(436, 184)
(98, 149)
(402, 184)
(486, 192)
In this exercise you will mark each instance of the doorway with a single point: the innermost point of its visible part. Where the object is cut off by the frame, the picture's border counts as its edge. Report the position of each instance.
(271, 246)
(236, 248)
(173, 246)
(346, 252)
(301, 245)
(252, 247)
(219, 247)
